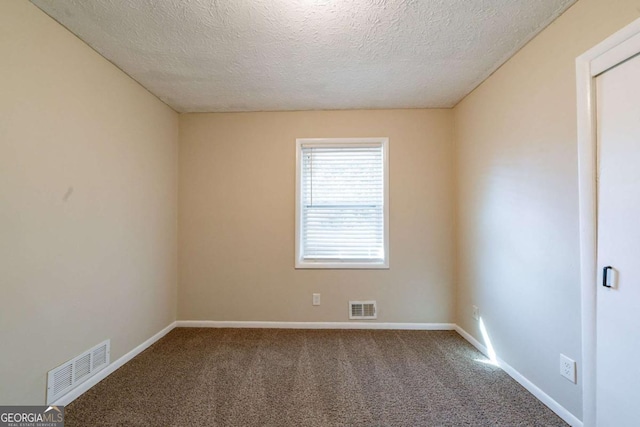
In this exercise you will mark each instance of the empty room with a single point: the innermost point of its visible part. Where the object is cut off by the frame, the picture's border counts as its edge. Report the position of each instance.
(319, 212)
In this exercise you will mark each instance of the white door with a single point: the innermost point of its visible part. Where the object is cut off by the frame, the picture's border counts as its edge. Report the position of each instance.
(618, 307)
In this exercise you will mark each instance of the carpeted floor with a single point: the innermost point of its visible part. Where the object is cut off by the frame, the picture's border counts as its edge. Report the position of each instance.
(278, 377)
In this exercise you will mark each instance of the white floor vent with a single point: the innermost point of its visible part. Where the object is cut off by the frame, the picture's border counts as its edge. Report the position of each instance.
(362, 310)
(67, 376)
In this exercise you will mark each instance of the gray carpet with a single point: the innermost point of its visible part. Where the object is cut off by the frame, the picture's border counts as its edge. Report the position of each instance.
(270, 377)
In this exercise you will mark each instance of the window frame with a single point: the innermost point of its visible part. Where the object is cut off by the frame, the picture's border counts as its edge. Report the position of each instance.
(301, 263)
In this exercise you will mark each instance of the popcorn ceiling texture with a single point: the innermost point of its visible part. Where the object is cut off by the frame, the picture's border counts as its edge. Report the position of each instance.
(214, 55)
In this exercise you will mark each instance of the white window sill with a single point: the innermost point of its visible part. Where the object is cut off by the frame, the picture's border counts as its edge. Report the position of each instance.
(333, 265)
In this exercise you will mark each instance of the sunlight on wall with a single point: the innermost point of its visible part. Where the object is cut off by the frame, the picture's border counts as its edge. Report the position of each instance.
(491, 353)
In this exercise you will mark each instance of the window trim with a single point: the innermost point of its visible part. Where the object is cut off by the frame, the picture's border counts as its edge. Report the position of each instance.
(340, 142)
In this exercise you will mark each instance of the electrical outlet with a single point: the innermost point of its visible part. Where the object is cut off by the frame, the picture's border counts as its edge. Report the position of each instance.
(568, 368)
(476, 313)
(316, 299)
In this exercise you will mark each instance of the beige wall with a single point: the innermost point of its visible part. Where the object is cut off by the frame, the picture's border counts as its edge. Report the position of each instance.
(518, 199)
(237, 180)
(88, 204)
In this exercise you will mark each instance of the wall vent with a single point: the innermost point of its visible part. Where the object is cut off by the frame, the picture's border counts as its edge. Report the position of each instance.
(363, 310)
(69, 375)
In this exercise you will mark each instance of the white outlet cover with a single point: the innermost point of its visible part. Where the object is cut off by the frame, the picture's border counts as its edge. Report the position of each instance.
(476, 313)
(316, 299)
(568, 368)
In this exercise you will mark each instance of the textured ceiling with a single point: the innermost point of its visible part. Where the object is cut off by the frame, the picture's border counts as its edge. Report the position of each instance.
(244, 55)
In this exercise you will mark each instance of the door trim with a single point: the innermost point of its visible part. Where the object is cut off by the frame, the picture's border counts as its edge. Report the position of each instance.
(616, 49)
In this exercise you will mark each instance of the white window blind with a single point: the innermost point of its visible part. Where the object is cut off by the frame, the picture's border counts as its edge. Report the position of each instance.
(342, 202)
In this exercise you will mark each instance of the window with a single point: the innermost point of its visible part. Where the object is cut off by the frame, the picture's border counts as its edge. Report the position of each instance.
(342, 203)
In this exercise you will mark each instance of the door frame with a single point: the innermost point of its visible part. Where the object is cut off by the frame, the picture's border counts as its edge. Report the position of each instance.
(616, 49)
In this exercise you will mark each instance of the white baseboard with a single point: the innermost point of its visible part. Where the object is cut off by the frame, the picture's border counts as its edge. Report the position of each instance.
(315, 325)
(560, 410)
(104, 373)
